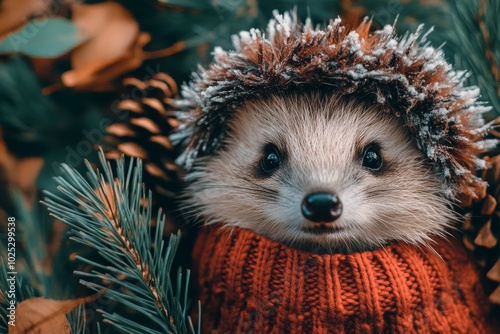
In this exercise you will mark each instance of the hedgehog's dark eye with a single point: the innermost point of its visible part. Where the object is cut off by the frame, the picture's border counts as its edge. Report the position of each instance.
(271, 160)
(372, 158)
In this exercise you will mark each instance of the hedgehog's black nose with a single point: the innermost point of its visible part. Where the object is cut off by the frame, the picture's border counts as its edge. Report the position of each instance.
(321, 207)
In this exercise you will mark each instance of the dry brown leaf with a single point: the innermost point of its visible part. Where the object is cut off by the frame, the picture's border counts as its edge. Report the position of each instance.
(98, 63)
(45, 316)
(27, 171)
(112, 48)
(15, 13)
(112, 32)
(102, 76)
(21, 174)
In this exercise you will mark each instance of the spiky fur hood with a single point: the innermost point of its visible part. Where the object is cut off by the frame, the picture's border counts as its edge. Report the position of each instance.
(404, 75)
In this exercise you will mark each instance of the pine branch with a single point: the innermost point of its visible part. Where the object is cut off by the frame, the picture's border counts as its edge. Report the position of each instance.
(112, 214)
(32, 241)
(476, 43)
(78, 324)
(487, 38)
(22, 291)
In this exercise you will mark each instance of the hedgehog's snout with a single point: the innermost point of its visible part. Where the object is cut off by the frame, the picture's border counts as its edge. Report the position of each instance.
(321, 207)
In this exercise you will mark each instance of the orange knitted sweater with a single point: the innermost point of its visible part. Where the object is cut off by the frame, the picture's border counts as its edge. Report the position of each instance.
(250, 284)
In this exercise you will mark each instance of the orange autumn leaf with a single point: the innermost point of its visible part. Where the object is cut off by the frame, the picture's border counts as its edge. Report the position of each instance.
(115, 47)
(45, 316)
(111, 50)
(112, 30)
(100, 76)
(21, 173)
(15, 13)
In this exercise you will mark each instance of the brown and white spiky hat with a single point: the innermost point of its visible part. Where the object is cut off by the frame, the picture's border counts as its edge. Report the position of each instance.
(405, 75)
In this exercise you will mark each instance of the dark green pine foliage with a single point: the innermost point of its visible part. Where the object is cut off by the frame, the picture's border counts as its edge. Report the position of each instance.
(475, 46)
(22, 291)
(111, 213)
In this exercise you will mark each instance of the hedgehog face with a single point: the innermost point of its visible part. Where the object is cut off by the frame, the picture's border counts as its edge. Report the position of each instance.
(320, 173)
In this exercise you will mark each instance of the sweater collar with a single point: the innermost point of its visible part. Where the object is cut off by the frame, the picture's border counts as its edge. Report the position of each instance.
(249, 283)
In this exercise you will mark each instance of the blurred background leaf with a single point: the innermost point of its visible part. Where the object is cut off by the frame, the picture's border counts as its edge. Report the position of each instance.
(16, 13)
(54, 37)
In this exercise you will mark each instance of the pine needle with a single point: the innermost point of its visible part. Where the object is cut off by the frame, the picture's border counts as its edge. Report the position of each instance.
(107, 213)
(475, 42)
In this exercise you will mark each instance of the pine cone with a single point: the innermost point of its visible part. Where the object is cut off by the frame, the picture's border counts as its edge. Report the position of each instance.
(148, 117)
(482, 225)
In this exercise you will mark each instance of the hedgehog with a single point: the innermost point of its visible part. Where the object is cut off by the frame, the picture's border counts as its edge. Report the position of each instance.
(316, 171)
(331, 139)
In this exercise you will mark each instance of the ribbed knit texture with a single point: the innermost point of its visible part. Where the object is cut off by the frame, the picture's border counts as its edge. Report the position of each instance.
(250, 284)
